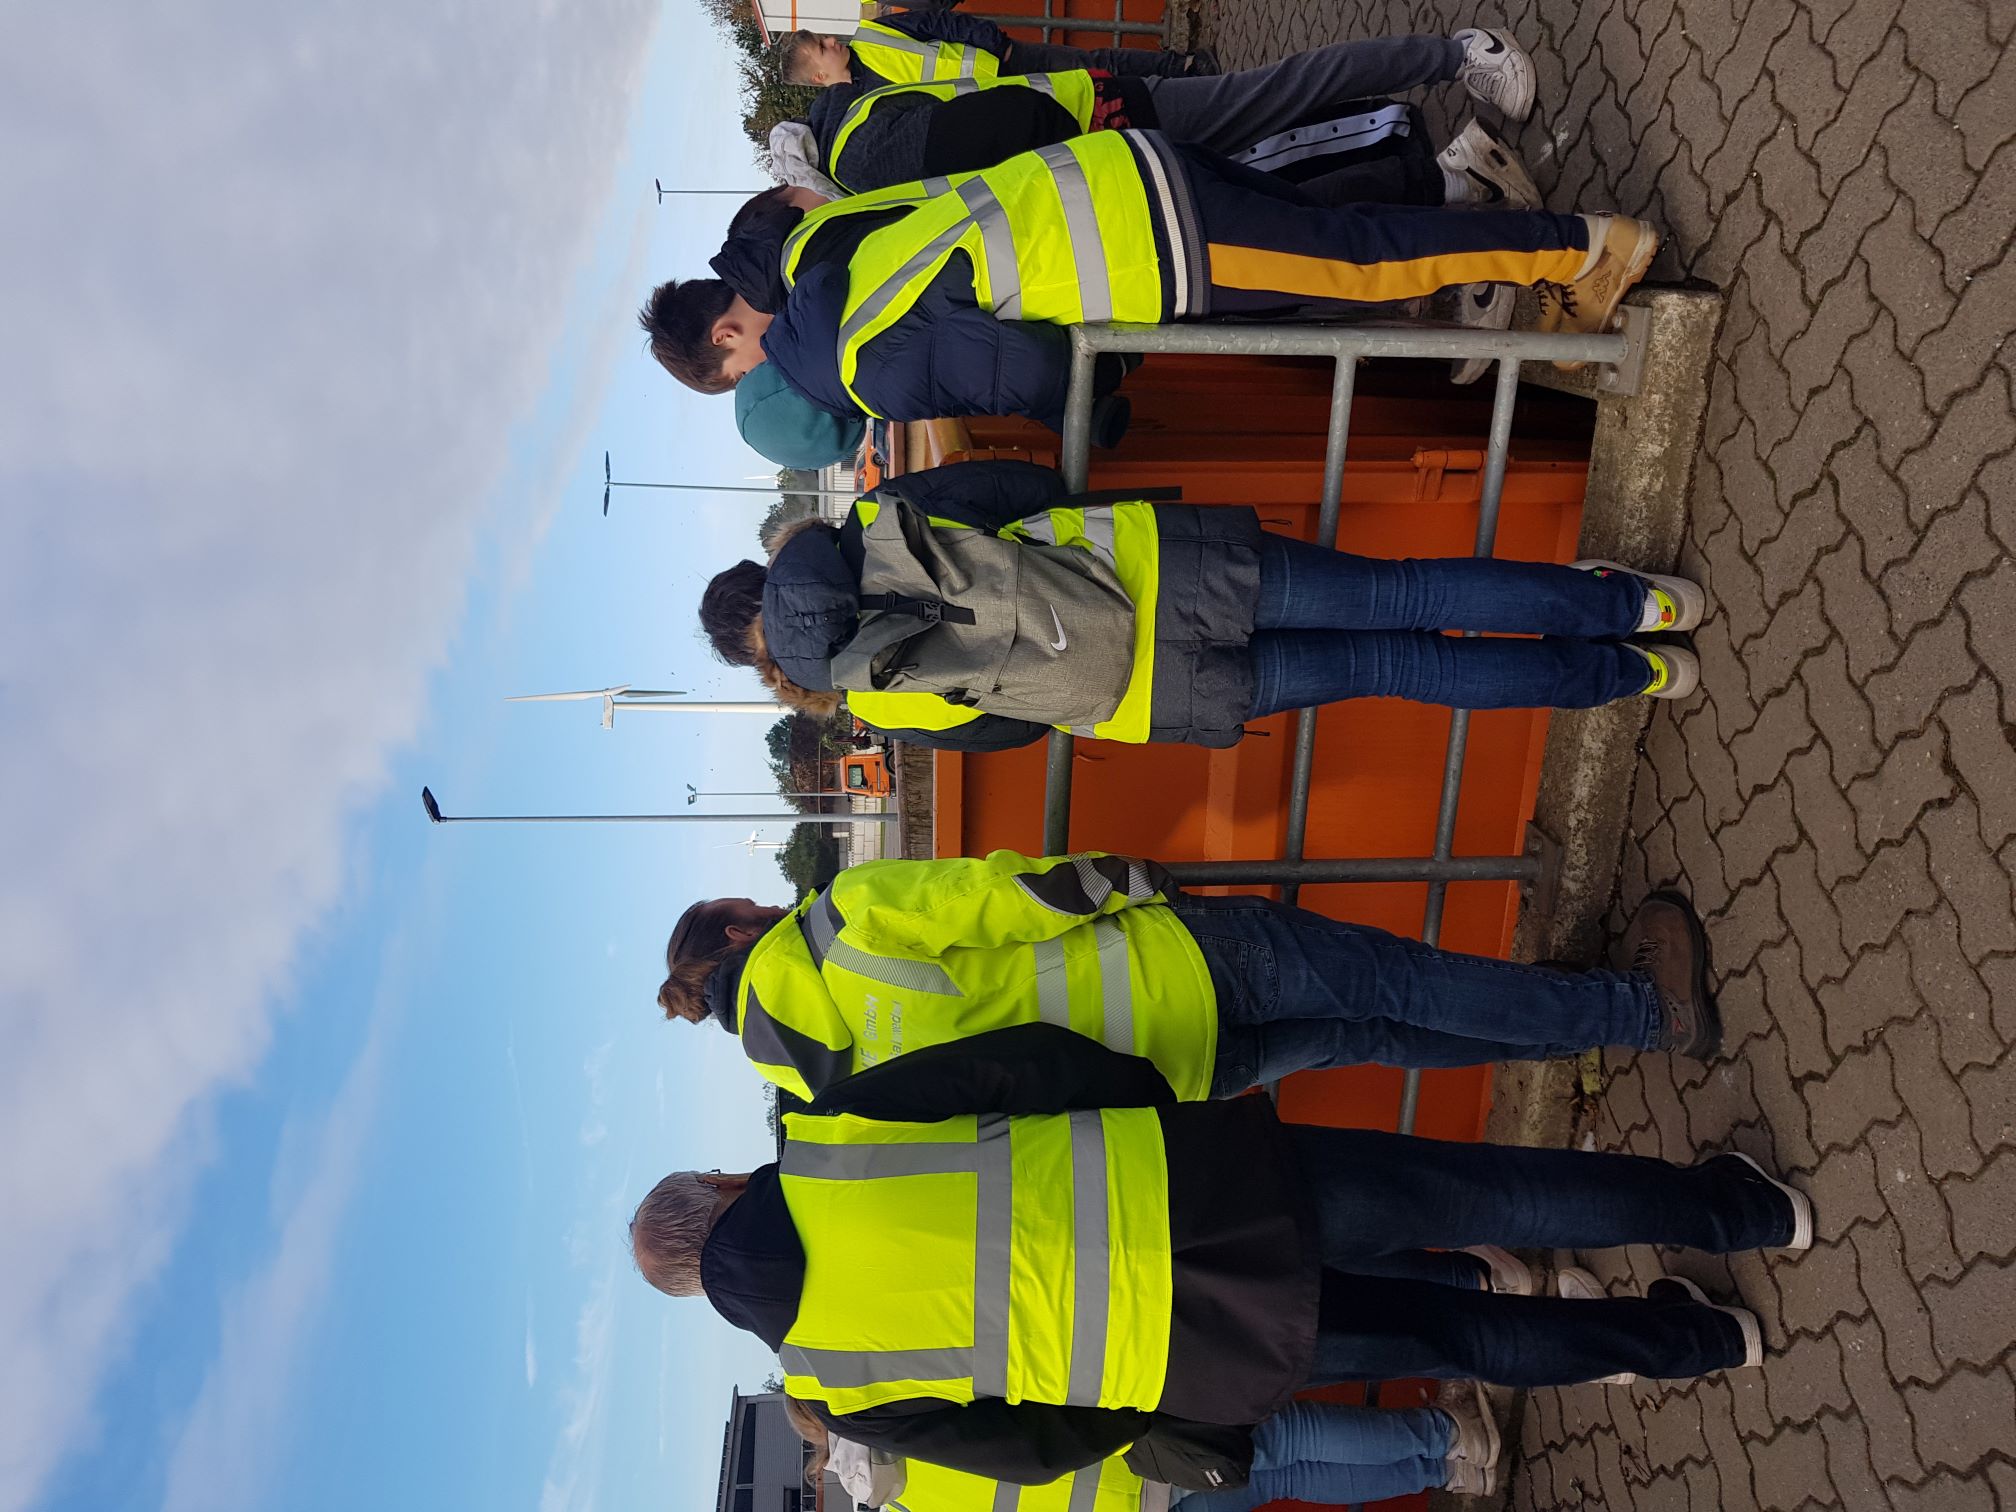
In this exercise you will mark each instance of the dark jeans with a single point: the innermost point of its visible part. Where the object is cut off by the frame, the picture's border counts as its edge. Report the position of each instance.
(1298, 992)
(1375, 1194)
(1331, 625)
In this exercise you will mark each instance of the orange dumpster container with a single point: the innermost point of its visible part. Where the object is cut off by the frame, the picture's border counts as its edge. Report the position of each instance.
(1251, 431)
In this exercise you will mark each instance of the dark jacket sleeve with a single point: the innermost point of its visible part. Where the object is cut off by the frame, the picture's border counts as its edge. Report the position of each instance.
(990, 732)
(1030, 1068)
(948, 26)
(977, 131)
(986, 495)
(1028, 1443)
(950, 357)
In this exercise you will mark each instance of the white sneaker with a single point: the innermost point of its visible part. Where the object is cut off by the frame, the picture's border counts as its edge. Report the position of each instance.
(1510, 1276)
(1578, 1285)
(1481, 307)
(1489, 172)
(1472, 1461)
(1753, 1331)
(1497, 71)
(1683, 604)
(1802, 1205)
(1676, 671)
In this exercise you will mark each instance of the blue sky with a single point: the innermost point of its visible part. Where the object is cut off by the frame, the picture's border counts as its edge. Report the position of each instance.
(410, 1080)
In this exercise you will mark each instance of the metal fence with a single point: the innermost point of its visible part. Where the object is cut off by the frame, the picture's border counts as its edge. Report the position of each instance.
(1049, 22)
(1344, 345)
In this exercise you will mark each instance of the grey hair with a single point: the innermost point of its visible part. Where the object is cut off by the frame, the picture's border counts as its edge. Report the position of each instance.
(669, 1229)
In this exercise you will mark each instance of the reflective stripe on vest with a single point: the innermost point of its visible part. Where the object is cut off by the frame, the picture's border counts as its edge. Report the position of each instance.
(822, 925)
(1073, 89)
(903, 59)
(1108, 1486)
(886, 1314)
(990, 1159)
(1062, 236)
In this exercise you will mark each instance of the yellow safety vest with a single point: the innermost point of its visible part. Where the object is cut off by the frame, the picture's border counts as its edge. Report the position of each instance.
(900, 955)
(1024, 1258)
(1072, 88)
(903, 59)
(1125, 537)
(1108, 1486)
(1062, 235)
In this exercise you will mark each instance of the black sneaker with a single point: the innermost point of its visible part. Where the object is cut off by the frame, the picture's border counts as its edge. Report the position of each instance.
(1110, 419)
(1664, 941)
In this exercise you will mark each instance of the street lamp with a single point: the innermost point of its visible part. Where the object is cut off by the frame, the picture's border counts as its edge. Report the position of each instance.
(433, 807)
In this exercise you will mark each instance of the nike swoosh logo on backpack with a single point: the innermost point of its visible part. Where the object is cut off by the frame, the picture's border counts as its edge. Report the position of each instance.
(1057, 644)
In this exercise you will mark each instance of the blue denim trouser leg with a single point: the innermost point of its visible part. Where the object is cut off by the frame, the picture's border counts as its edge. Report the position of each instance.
(1330, 626)
(1375, 1328)
(1376, 1193)
(1297, 992)
(1327, 1452)
(1309, 587)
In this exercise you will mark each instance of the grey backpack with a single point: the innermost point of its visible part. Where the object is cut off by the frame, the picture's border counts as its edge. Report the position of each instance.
(1023, 629)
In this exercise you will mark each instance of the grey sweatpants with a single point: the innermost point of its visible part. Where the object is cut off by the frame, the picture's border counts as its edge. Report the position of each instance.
(1228, 112)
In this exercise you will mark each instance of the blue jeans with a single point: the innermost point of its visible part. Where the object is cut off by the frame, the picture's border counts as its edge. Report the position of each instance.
(1375, 1194)
(1299, 992)
(1327, 1452)
(1329, 625)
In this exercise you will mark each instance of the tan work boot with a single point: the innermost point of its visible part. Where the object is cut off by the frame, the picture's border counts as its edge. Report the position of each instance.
(1621, 251)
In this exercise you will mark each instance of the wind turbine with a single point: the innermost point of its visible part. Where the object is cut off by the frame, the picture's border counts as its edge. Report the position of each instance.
(754, 844)
(609, 482)
(662, 700)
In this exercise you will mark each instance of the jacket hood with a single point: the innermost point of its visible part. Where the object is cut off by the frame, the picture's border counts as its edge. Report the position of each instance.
(804, 339)
(811, 608)
(751, 260)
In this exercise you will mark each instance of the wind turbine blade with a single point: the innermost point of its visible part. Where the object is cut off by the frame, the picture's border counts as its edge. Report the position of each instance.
(605, 500)
(585, 693)
(655, 692)
(605, 467)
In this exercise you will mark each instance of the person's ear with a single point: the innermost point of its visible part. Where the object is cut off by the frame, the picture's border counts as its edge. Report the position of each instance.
(741, 934)
(724, 331)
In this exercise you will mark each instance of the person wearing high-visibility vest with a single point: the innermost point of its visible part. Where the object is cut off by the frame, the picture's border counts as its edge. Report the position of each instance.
(1322, 1452)
(905, 47)
(1019, 1254)
(948, 297)
(904, 132)
(1221, 993)
(1160, 621)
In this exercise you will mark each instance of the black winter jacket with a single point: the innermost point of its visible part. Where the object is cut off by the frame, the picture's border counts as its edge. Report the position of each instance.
(1244, 1258)
(1210, 583)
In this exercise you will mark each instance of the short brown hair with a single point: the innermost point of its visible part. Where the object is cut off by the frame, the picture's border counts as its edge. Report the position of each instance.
(791, 51)
(679, 320)
(669, 1229)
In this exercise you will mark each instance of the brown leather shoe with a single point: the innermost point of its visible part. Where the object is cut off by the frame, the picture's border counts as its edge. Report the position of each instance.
(1664, 941)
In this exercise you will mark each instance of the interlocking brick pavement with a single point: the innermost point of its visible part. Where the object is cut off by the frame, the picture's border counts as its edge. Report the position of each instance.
(1841, 801)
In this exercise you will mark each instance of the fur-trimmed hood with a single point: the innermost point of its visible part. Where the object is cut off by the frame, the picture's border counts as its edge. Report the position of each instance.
(810, 610)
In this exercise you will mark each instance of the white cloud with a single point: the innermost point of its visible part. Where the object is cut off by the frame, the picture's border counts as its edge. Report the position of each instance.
(239, 1425)
(531, 1348)
(573, 1475)
(284, 277)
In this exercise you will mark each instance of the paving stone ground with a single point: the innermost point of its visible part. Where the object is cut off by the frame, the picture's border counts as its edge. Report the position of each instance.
(1841, 804)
